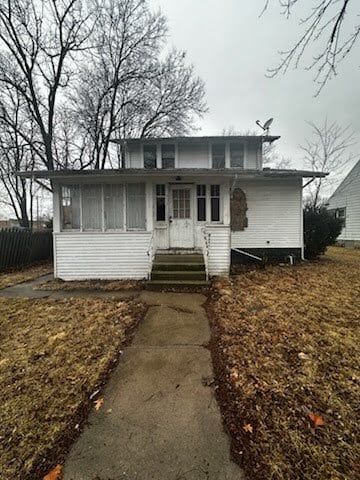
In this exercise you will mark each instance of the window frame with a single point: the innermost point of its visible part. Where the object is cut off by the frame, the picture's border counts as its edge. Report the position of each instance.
(162, 158)
(156, 196)
(103, 229)
(211, 196)
(231, 144)
(212, 145)
(203, 196)
(155, 146)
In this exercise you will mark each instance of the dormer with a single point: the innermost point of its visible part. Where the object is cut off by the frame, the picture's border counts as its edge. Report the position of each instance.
(218, 153)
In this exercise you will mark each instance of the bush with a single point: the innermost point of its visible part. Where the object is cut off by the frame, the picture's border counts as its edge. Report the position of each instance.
(321, 229)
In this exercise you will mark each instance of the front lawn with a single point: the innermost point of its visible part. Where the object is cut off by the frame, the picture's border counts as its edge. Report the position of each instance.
(26, 273)
(54, 355)
(285, 348)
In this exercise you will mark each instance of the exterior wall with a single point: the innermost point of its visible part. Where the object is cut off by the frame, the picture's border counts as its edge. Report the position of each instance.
(274, 215)
(347, 196)
(81, 256)
(219, 250)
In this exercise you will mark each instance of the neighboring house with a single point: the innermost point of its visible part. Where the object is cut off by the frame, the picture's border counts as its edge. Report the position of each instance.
(209, 195)
(345, 204)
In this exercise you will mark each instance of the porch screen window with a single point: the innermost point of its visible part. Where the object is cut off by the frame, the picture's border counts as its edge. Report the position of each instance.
(236, 155)
(201, 203)
(136, 206)
(149, 156)
(70, 207)
(215, 202)
(160, 203)
(168, 156)
(91, 207)
(218, 155)
(113, 207)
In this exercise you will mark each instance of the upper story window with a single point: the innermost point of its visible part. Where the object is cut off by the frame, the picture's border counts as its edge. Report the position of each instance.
(218, 155)
(149, 156)
(168, 156)
(236, 155)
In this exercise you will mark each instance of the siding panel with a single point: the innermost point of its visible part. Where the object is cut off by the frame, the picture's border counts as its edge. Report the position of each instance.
(81, 256)
(274, 215)
(219, 250)
(347, 195)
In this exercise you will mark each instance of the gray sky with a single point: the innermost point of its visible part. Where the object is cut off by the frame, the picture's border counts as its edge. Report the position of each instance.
(231, 48)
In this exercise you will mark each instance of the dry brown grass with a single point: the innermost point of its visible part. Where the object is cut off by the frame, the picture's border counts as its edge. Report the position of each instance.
(54, 354)
(286, 344)
(101, 285)
(27, 273)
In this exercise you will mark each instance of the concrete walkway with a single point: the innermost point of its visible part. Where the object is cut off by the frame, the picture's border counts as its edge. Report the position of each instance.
(158, 420)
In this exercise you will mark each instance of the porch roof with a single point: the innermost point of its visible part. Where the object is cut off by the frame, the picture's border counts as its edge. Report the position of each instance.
(171, 172)
(196, 139)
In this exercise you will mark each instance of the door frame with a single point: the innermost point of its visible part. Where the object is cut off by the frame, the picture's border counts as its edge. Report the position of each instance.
(184, 186)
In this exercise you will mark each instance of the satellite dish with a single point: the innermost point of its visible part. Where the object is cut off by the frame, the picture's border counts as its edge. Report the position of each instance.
(266, 125)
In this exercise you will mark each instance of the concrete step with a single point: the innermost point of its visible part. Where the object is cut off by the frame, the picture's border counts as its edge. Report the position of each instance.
(170, 275)
(163, 266)
(181, 258)
(158, 284)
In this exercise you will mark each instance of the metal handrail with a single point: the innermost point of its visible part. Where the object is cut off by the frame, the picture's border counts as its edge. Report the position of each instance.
(205, 249)
(151, 253)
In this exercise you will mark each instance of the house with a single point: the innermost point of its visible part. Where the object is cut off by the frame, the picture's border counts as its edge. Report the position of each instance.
(204, 195)
(345, 204)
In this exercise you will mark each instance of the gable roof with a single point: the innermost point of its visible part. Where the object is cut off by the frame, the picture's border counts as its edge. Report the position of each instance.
(345, 181)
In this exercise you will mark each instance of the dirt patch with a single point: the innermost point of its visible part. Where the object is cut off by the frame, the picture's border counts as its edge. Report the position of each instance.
(54, 355)
(30, 272)
(101, 285)
(285, 347)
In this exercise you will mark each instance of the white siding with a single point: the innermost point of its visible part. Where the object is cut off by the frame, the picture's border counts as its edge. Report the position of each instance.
(80, 256)
(219, 250)
(347, 196)
(194, 155)
(274, 215)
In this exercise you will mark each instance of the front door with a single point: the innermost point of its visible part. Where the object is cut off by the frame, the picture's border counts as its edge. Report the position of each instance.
(181, 217)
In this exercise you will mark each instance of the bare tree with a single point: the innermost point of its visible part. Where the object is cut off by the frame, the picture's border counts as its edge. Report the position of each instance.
(38, 41)
(325, 24)
(16, 154)
(124, 89)
(326, 151)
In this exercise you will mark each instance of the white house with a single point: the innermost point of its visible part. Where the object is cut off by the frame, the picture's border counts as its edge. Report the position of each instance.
(345, 204)
(206, 195)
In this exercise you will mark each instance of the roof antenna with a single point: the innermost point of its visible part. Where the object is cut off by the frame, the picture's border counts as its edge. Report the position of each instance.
(266, 126)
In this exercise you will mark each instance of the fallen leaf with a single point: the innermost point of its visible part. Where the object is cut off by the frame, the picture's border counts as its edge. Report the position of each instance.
(98, 403)
(317, 421)
(248, 428)
(54, 474)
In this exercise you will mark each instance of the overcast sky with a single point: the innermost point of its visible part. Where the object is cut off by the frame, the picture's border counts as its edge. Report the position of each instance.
(231, 48)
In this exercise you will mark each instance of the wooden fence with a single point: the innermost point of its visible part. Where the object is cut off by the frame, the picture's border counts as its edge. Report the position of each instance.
(21, 247)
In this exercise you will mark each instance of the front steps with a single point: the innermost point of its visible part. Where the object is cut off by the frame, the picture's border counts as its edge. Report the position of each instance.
(178, 269)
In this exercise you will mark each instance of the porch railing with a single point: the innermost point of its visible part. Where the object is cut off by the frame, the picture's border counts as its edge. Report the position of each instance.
(151, 254)
(205, 247)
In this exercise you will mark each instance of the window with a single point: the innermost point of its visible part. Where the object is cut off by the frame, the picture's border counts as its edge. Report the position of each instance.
(168, 156)
(149, 156)
(160, 203)
(215, 202)
(70, 207)
(136, 206)
(91, 207)
(341, 213)
(113, 207)
(201, 203)
(181, 203)
(218, 155)
(236, 155)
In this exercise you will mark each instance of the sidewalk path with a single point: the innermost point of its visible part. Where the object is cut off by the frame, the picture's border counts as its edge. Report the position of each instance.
(158, 421)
